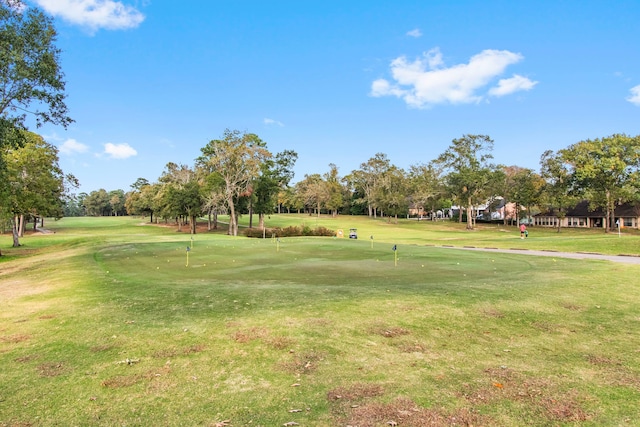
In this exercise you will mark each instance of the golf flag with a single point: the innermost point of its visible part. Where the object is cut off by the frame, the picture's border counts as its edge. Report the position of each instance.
(395, 255)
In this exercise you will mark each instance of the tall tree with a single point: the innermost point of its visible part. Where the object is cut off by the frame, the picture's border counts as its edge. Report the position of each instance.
(393, 193)
(425, 187)
(606, 168)
(557, 194)
(470, 172)
(36, 184)
(31, 80)
(527, 189)
(313, 193)
(366, 180)
(97, 203)
(180, 195)
(237, 158)
(275, 175)
(335, 190)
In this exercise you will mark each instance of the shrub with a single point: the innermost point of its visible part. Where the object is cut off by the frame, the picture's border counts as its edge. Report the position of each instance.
(291, 231)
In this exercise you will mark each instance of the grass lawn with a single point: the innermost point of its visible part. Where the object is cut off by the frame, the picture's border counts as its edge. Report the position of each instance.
(110, 321)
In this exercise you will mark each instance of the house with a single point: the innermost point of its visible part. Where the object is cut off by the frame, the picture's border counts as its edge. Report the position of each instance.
(580, 216)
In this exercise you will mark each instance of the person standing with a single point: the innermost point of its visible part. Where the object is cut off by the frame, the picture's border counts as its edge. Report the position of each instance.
(523, 231)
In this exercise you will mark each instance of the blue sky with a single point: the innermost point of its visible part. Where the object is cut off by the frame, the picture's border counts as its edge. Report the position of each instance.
(152, 81)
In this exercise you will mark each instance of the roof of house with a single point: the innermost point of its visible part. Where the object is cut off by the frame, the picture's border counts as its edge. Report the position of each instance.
(626, 210)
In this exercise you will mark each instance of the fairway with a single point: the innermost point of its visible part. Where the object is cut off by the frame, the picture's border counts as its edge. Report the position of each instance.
(110, 321)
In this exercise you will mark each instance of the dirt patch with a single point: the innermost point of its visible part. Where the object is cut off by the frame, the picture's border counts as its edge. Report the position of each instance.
(492, 313)
(571, 306)
(174, 352)
(101, 348)
(51, 369)
(16, 338)
(121, 381)
(389, 331)
(27, 358)
(280, 343)
(303, 363)
(542, 397)
(246, 335)
(355, 392)
(404, 412)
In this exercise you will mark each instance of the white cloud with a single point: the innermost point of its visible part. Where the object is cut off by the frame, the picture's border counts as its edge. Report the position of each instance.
(426, 81)
(94, 14)
(119, 151)
(71, 146)
(268, 121)
(415, 33)
(514, 84)
(634, 98)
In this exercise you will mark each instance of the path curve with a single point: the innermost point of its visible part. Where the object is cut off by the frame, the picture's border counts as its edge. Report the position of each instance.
(626, 259)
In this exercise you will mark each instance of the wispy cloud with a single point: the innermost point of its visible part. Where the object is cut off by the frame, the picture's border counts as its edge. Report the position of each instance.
(514, 84)
(119, 151)
(426, 81)
(415, 33)
(634, 98)
(71, 146)
(94, 14)
(268, 121)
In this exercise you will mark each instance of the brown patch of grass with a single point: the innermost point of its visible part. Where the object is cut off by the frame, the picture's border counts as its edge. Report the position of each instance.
(194, 349)
(101, 348)
(563, 409)
(303, 363)
(51, 369)
(246, 335)
(540, 395)
(16, 338)
(319, 321)
(355, 392)
(412, 347)
(121, 381)
(47, 316)
(546, 326)
(602, 360)
(571, 306)
(404, 412)
(156, 378)
(280, 343)
(27, 358)
(11, 423)
(389, 331)
(174, 352)
(492, 312)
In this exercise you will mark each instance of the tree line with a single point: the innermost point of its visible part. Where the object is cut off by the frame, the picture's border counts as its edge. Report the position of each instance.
(237, 175)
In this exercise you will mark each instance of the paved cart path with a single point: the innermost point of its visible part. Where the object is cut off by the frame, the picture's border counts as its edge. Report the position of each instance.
(627, 259)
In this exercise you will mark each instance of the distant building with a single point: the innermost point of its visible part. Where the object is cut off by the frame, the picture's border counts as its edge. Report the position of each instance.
(580, 216)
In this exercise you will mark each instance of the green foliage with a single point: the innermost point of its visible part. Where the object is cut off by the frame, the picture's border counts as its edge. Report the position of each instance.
(31, 78)
(290, 231)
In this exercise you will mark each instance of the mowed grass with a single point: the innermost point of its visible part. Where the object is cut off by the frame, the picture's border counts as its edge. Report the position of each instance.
(104, 323)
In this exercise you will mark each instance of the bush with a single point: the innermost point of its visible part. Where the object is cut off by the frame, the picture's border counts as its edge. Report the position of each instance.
(291, 231)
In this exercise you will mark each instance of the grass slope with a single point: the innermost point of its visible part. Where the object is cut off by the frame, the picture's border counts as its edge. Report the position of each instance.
(103, 323)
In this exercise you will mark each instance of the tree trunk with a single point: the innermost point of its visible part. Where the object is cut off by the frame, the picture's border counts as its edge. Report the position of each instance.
(193, 224)
(15, 223)
(261, 221)
(469, 214)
